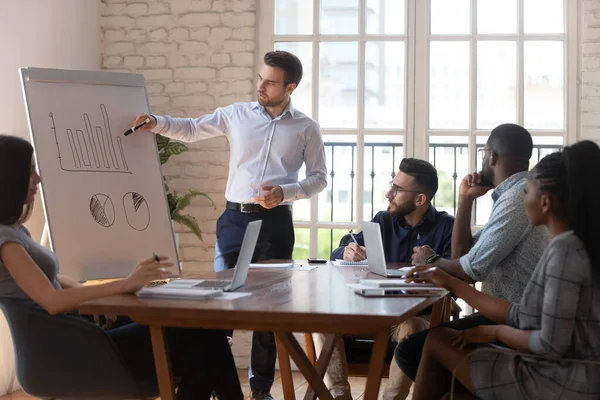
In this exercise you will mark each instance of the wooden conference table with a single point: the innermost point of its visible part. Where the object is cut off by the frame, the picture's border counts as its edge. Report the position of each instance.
(283, 302)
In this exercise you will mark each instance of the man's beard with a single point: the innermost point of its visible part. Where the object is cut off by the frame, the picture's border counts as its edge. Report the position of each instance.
(402, 209)
(486, 178)
(270, 102)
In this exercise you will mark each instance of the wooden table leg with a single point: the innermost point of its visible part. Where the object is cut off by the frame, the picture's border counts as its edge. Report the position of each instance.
(323, 361)
(376, 365)
(162, 363)
(288, 340)
(285, 370)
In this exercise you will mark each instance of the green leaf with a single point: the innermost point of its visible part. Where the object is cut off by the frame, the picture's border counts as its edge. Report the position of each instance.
(171, 149)
(161, 141)
(185, 200)
(190, 222)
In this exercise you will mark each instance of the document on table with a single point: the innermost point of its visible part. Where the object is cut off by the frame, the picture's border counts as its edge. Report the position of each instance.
(287, 266)
(387, 283)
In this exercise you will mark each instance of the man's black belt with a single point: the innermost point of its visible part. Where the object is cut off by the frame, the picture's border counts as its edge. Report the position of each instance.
(253, 207)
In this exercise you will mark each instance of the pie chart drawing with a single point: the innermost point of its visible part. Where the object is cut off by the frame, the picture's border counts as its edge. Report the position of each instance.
(102, 210)
(137, 211)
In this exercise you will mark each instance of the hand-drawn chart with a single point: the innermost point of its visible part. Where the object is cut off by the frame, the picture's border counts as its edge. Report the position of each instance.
(95, 150)
(102, 209)
(137, 211)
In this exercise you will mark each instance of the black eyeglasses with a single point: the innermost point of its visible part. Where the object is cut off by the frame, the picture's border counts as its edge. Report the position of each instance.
(395, 189)
(483, 150)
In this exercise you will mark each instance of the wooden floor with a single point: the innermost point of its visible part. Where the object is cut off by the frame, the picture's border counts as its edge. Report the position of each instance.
(357, 385)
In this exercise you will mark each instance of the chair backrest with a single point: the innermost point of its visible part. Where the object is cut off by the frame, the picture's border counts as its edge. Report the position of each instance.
(65, 356)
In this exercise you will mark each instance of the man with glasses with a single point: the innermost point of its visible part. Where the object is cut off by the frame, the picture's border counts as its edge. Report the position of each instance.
(503, 254)
(410, 221)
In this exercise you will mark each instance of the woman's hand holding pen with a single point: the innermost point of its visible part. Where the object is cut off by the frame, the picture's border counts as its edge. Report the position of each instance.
(146, 271)
(434, 275)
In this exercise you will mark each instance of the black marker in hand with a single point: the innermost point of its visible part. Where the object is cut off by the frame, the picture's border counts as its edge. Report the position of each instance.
(138, 126)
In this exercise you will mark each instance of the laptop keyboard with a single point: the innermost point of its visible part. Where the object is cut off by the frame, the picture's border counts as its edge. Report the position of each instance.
(213, 284)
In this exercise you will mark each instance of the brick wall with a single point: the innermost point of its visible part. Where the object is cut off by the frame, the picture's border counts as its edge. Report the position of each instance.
(590, 71)
(196, 55)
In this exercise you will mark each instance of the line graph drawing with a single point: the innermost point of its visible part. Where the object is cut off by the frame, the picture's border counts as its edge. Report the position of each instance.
(137, 211)
(94, 149)
(102, 210)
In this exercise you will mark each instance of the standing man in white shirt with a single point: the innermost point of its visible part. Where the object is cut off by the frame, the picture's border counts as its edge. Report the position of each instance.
(269, 141)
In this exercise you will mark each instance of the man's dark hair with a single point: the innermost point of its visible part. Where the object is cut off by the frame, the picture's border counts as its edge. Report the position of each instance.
(512, 142)
(570, 175)
(424, 174)
(288, 62)
(15, 171)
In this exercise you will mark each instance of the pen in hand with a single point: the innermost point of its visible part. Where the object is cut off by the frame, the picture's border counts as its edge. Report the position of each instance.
(353, 238)
(134, 128)
(157, 259)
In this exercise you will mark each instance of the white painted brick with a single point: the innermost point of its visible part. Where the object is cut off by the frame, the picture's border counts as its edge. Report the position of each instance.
(236, 72)
(245, 59)
(220, 33)
(194, 101)
(118, 21)
(174, 87)
(195, 73)
(205, 171)
(133, 61)
(157, 35)
(238, 45)
(156, 61)
(155, 88)
(196, 87)
(231, 98)
(202, 33)
(157, 9)
(177, 34)
(245, 33)
(235, 5)
(136, 9)
(113, 9)
(177, 60)
(157, 74)
(136, 35)
(154, 20)
(193, 46)
(158, 101)
(156, 47)
(186, 6)
(220, 59)
(199, 19)
(112, 61)
(238, 19)
(119, 48)
(114, 35)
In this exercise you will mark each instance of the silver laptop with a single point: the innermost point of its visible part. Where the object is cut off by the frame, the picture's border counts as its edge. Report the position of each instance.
(241, 269)
(375, 254)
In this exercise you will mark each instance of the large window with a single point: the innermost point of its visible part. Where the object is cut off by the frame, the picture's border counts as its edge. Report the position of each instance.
(421, 78)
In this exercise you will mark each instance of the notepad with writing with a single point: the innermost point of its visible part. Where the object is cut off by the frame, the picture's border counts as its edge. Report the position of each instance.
(345, 263)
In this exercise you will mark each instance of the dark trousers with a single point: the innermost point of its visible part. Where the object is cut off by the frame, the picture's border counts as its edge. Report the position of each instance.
(275, 241)
(408, 352)
(201, 358)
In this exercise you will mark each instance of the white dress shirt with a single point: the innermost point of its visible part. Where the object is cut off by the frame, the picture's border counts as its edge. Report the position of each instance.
(265, 151)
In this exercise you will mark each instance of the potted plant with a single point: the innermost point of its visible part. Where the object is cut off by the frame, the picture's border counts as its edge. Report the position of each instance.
(177, 202)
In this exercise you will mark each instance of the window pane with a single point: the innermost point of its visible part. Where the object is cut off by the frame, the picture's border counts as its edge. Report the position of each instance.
(450, 17)
(449, 85)
(338, 84)
(496, 83)
(302, 96)
(301, 208)
(495, 16)
(384, 85)
(329, 239)
(385, 17)
(339, 17)
(293, 17)
(338, 201)
(450, 156)
(383, 154)
(544, 16)
(302, 243)
(544, 85)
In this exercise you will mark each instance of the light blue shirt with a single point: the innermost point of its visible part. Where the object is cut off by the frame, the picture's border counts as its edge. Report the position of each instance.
(264, 151)
(508, 247)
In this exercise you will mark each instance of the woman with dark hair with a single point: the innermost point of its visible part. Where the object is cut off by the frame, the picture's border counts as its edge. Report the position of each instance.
(548, 346)
(29, 274)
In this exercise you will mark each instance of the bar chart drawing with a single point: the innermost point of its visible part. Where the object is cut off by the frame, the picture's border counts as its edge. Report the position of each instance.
(94, 149)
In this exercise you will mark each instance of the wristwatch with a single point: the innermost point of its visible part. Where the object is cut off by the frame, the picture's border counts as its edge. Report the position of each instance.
(433, 258)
